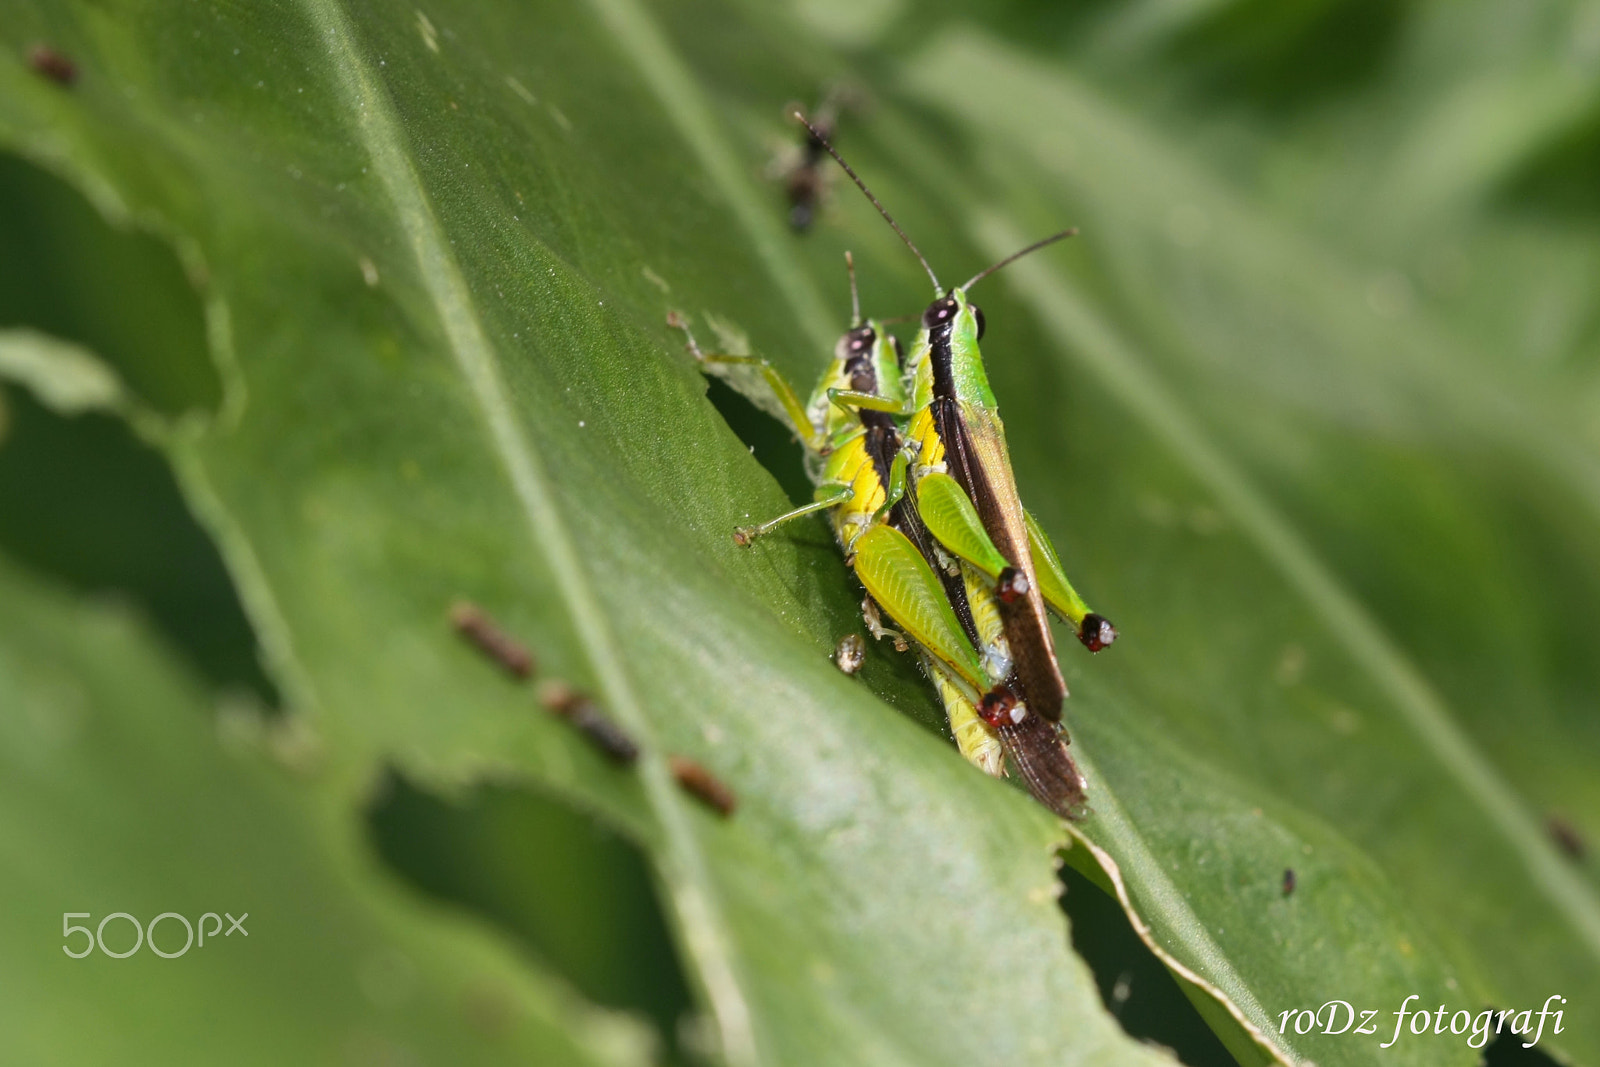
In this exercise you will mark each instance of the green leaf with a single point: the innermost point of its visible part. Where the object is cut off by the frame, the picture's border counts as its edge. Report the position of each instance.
(445, 374)
(120, 804)
(1308, 412)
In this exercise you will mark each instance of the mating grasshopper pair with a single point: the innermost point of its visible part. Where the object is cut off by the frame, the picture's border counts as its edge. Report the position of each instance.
(910, 460)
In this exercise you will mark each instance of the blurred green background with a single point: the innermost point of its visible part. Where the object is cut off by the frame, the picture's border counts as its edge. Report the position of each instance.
(317, 317)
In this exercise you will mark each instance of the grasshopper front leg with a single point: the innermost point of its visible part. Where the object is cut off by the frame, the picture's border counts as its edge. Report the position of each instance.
(828, 495)
(794, 410)
(853, 400)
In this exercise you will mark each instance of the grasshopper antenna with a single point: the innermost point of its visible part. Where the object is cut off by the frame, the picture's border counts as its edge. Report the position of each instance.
(1013, 257)
(834, 152)
(855, 297)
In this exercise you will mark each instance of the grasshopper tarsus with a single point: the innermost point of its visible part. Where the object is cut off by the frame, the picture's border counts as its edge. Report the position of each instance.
(1566, 837)
(49, 63)
(1000, 707)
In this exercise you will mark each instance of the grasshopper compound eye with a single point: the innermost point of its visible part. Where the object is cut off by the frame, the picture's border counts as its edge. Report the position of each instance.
(940, 313)
(977, 315)
(860, 341)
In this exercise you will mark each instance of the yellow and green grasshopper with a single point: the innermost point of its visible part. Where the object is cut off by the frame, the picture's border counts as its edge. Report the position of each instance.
(964, 488)
(857, 459)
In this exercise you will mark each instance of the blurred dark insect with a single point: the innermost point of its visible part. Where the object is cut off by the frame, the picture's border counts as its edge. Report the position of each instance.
(1289, 881)
(1566, 837)
(804, 176)
(51, 64)
(585, 715)
(474, 624)
(699, 781)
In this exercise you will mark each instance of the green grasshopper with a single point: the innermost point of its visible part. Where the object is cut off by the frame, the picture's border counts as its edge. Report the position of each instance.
(857, 459)
(965, 490)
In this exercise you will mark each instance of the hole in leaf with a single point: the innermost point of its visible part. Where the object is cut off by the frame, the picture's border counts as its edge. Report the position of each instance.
(773, 446)
(88, 503)
(121, 293)
(85, 500)
(574, 892)
(1506, 1049)
(1134, 985)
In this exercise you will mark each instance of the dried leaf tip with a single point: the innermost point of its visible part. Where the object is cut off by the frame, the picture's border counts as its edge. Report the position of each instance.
(475, 625)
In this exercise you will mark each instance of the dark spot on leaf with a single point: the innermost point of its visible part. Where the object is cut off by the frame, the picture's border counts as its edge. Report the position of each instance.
(52, 64)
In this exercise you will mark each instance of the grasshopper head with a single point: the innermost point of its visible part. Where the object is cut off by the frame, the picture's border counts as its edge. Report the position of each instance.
(871, 360)
(858, 349)
(953, 312)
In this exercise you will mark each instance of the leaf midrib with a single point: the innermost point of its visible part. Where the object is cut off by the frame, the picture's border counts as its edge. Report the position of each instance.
(694, 899)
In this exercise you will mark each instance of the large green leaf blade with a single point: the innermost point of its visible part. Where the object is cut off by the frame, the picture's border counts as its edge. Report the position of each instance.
(450, 380)
(444, 376)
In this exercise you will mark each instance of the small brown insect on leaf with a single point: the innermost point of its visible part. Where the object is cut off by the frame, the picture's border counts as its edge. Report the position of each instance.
(703, 784)
(587, 718)
(1566, 837)
(474, 624)
(49, 63)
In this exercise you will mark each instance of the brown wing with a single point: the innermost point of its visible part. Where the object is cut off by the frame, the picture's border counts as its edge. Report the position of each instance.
(975, 453)
(1039, 752)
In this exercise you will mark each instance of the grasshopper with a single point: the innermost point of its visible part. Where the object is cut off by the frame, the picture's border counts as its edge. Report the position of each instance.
(857, 459)
(965, 490)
